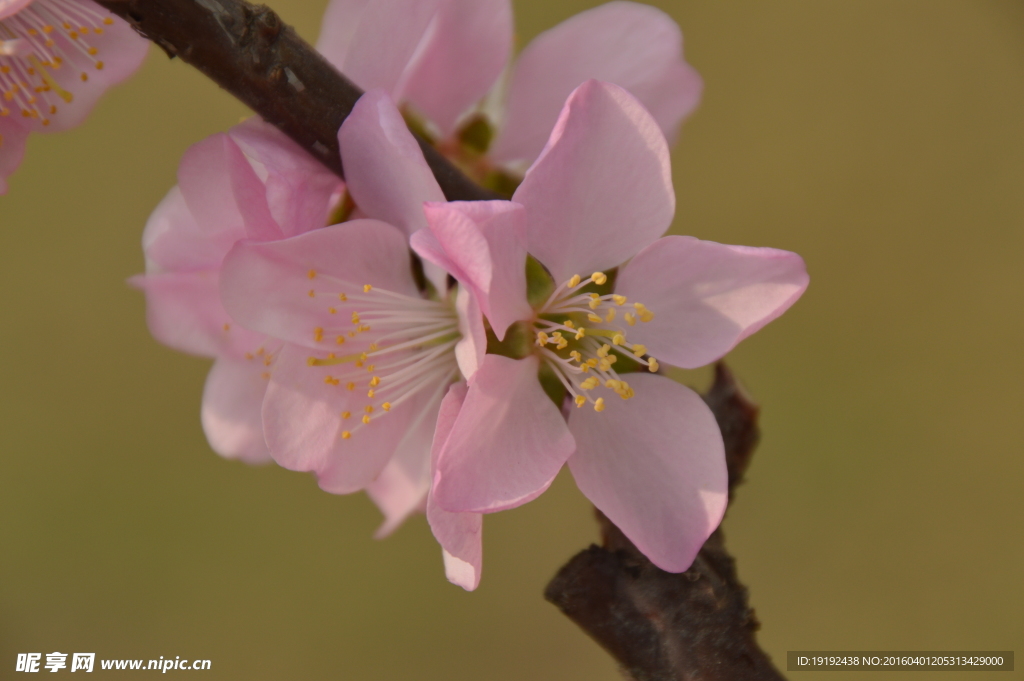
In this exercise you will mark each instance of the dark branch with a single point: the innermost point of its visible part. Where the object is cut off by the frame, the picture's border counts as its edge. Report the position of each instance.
(251, 53)
(661, 626)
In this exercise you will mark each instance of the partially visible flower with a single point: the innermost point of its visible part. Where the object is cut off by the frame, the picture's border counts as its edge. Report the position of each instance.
(57, 57)
(251, 183)
(644, 449)
(439, 58)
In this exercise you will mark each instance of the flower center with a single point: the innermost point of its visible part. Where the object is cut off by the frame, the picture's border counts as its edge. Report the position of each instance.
(402, 346)
(582, 336)
(44, 37)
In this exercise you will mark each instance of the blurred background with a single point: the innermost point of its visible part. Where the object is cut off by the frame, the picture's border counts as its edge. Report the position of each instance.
(882, 141)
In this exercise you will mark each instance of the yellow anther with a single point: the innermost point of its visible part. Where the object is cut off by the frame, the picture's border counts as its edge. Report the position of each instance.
(599, 278)
(574, 281)
(562, 344)
(375, 381)
(556, 335)
(369, 409)
(639, 350)
(346, 414)
(619, 300)
(595, 302)
(580, 400)
(599, 404)
(575, 355)
(386, 406)
(355, 317)
(590, 383)
(311, 274)
(249, 355)
(350, 386)
(646, 315)
(542, 338)
(227, 327)
(342, 297)
(351, 334)
(373, 346)
(332, 310)
(358, 364)
(371, 367)
(318, 334)
(311, 361)
(604, 350)
(268, 360)
(331, 355)
(370, 393)
(345, 435)
(594, 318)
(584, 368)
(611, 315)
(591, 362)
(652, 364)
(366, 288)
(639, 306)
(618, 339)
(331, 380)
(340, 340)
(363, 327)
(366, 419)
(568, 323)
(605, 364)
(630, 318)
(580, 333)
(312, 293)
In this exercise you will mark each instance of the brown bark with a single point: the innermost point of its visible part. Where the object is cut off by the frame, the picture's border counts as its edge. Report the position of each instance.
(660, 626)
(251, 53)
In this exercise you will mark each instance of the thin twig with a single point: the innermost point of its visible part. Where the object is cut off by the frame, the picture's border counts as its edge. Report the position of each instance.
(251, 53)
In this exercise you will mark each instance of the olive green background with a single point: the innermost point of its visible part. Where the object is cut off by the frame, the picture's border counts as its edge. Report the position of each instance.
(882, 141)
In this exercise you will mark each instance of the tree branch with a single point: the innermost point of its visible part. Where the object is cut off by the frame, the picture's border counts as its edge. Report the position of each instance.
(660, 626)
(251, 53)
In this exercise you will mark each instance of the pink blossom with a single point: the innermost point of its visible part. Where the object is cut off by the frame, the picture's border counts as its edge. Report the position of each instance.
(643, 448)
(440, 58)
(254, 183)
(56, 58)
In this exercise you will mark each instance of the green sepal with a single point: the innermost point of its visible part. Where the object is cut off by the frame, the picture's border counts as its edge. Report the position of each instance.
(476, 134)
(516, 343)
(539, 282)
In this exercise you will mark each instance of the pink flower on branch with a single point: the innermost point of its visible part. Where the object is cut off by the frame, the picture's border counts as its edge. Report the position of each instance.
(57, 57)
(439, 58)
(643, 448)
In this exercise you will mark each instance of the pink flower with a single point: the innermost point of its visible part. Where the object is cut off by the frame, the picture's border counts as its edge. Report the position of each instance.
(252, 183)
(440, 58)
(366, 356)
(643, 448)
(56, 58)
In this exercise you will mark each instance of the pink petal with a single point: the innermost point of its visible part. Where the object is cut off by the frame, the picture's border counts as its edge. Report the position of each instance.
(183, 311)
(385, 169)
(507, 444)
(223, 192)
(401, 488)
(173, 241)
(232, 401)
(266, 286)
(458, 533)
(706, 296)
(303, 423)
(119, 48)
(466, 53)
(655, 465)
(483, 245)
(602, 188)
(373, 43)
(635, 46)
(471, 348)
(298, 188)
(11, 7)
(12, 149)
